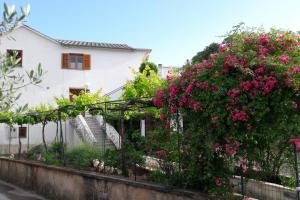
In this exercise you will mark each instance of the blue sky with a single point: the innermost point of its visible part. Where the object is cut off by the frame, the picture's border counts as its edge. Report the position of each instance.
(175, 30)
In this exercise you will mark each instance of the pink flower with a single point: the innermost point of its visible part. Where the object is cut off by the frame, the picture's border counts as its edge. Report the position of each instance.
(169, 77)
(260, 70)
(214, 55)
(219, 181)
(256, 84)
(158, 100)
(216, 146)
(232, 150)
(196, 106)
(223, 47)
(161, 153)
(246, 40)
(181, 103)
(238, 115)
(269, 85)
(264, 39)
(295, 70)
(284, 59)
(208, 64)
(173, 109)
(246, 86)
(189, 89)
(162, 116)
(233, 93)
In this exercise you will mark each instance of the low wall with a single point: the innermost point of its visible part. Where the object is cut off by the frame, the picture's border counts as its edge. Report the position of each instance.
(264, 190)
(68, 184)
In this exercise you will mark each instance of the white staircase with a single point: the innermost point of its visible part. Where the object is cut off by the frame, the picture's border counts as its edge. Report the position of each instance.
(99, 132)
(90, 130)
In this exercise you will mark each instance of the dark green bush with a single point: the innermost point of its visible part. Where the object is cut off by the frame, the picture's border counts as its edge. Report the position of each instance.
(82, 156)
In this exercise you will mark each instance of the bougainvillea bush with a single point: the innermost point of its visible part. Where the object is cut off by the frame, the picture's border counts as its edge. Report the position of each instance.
(240, 107)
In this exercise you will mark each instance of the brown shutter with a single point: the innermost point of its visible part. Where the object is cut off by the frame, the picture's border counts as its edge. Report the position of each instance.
(65, 60)
(86, 62)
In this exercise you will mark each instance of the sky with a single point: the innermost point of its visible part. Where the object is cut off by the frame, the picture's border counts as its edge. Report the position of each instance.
(175, 30)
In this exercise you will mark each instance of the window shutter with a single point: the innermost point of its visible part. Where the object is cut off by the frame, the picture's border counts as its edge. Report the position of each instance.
(86, 62)
(65, 60)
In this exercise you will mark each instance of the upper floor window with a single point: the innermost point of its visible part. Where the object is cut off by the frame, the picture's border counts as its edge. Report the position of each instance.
(76, 61)
(18, 54)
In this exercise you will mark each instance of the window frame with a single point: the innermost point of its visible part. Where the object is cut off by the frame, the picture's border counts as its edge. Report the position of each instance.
(76, 56)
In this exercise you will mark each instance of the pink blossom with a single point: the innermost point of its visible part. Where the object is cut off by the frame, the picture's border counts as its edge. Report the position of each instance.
(269, 85)
(189, 89)
(219, 181)
(233, 93)
(158, 100)
(173, 109)
(284, 59)
(256, 84)
(216, 146)
(264, 39)
(295, 70)
(169, 77)
(223, 47)
(246, 86)
(161, 115)
(181, 103)
(208, 64)
(161, 153)
(214, 55)
(232, 150)
(197, 106)
(246, 40)
(238, 115)
(260, 70)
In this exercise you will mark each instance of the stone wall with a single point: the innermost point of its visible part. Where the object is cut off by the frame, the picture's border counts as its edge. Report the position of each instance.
(68, 184)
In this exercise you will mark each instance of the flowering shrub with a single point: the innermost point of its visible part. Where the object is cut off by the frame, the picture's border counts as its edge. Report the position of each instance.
(240, 104)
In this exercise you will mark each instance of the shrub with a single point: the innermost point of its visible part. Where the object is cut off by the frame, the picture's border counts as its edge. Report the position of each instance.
(242, 106)
(81, 156)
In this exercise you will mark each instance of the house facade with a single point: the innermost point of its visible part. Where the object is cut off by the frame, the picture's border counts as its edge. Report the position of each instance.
(70, 67)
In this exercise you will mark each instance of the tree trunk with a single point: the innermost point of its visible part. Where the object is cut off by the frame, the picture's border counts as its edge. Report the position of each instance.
(43, 133)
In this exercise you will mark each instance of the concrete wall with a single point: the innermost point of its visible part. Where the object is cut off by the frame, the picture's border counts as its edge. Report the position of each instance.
(264, 190)
(69, 184)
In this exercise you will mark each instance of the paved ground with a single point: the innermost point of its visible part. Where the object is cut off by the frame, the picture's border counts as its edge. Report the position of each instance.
(11, 192)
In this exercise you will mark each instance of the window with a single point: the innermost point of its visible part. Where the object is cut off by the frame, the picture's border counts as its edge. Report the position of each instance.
(18, 54)
(75, 61)
(22, 132)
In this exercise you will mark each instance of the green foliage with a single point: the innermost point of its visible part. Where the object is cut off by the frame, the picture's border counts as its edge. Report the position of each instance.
(111, 158)
(10, 81)
(204, 54)
(144, 85)
(158, 177)
(147, 66)
(35, 151)
(82, 156)
(53, 156)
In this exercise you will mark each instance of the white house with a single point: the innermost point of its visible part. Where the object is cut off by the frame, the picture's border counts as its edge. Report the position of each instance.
(70, 67)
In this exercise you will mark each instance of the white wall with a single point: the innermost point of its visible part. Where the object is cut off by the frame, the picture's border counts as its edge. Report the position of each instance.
(109, 70)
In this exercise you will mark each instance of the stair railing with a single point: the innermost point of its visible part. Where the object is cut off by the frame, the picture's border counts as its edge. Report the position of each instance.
(82, 128)
(110, 132)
